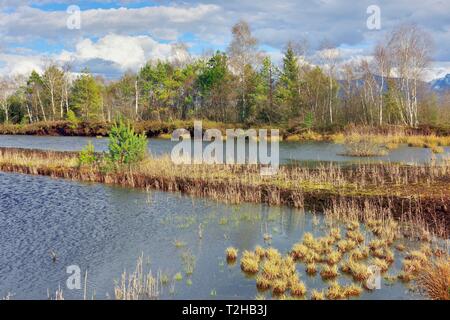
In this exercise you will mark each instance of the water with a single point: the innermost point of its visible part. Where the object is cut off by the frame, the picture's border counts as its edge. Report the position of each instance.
(104, 229)
(289, 151)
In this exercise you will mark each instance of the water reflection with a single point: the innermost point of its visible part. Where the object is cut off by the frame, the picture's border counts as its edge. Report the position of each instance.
(104, 229)
(290, 152)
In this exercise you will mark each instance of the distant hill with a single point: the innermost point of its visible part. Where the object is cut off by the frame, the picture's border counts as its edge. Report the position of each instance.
(442, 84)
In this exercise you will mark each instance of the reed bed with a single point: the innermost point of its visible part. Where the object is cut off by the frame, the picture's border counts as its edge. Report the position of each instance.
(420, 190)
(138, 285)
(434, 279)
(367, 142)
(355, 243)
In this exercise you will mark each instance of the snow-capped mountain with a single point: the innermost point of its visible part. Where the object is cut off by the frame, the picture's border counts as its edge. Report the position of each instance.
(442, 84)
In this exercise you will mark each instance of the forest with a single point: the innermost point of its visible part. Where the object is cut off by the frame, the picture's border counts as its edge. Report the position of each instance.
(243, 85)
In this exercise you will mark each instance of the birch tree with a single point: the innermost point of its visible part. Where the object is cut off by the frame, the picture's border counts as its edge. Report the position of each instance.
(410, 48)
(329, 56)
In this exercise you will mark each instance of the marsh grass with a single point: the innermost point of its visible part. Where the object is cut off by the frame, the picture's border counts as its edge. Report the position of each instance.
(325, 253)
(298, 289)
(317, 295)
(138, 284)
(231, 254)
(311, 269)
(329, 272)
(335, 291)
(363, 148)
(371, 235)
(366, 141)
(385, 185)
(434, 279)
(249, 262)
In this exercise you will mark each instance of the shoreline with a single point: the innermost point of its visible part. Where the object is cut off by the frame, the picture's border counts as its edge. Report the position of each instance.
(163, 130)
(423, 201)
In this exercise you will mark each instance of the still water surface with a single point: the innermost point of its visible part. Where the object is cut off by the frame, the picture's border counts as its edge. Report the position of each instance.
(103, 229)
(289, 151)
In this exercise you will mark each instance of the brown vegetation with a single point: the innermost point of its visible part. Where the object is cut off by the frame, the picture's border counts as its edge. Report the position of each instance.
(422, 192)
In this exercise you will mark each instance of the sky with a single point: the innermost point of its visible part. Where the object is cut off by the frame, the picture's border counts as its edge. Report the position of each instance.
(114, 37)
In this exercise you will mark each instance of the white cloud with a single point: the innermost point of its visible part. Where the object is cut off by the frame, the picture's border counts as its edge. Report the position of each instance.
(14, 64)
(125, 51)
(110, 55)
(127, 37)
(438, 69)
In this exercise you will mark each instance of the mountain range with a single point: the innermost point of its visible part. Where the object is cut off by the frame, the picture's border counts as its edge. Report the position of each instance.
(442, 84)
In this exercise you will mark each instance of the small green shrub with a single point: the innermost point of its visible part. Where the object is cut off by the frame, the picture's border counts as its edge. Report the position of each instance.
(125, 146)
(87, 155)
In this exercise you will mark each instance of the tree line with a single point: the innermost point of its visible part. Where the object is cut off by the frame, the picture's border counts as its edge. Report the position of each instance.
(244, 85)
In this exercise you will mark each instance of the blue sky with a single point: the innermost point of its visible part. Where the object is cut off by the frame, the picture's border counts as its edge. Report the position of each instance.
(117, 36)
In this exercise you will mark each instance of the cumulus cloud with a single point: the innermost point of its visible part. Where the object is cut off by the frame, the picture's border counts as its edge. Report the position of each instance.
(111, 56)
(126, 51)
(16, 64)
(122, 37)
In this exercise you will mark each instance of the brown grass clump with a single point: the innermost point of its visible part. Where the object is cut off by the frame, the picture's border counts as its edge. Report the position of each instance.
(335, 233)
(353, 225)
(249, 262)
(363, 148)
(311, 269)
(352, 290)
(262, 282)
(231, 253)
(260, 252)
(381, 264)
(384, 253)
(346, 245)
(360, 253)
(334, 257)
(377, 244)
(417, 255)
(434, 279)
(288, 266)
(329, 272)
(359, 271)
(335, 291)
(271, 269)
(317, 295)
(308, 240)
(273, 254)
(298, 289)
(279, 286)
(410, 269)
(355, 235)
(299, 251)
(311, 257)
(406, 276)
